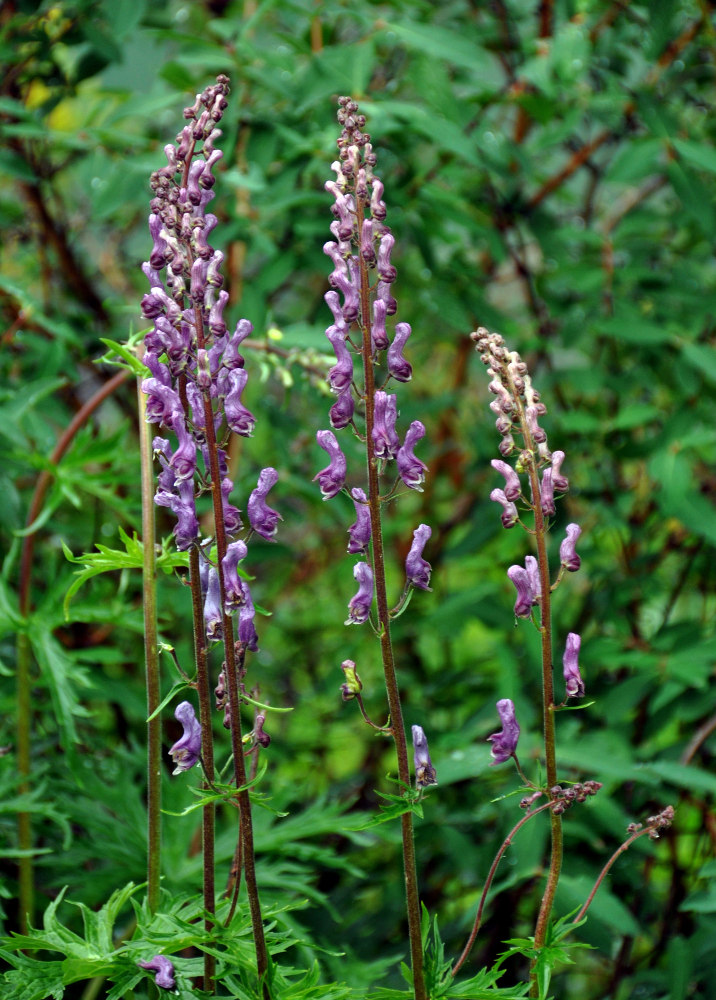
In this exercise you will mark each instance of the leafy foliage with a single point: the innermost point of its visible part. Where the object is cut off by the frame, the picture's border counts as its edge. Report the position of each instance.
(553, 181)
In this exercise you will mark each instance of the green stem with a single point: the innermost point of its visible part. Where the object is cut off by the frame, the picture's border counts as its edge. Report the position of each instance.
(151, 658)
(391, 680)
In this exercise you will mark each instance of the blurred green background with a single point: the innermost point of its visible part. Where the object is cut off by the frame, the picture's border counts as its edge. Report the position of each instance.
(549, 172)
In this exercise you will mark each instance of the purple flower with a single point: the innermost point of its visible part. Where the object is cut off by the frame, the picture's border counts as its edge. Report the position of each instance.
(385, 436)
(525, 595)
(359, 533)
(386, 270)
(212, 607)
(163, 404)
(247, 613)
(424, 771)
(532, 567)
(341, 374)
(560, 482)
(570, 662)
(379, 338)
(359, 605)
(567, 550)
(164, 971)
(509, 515)
(185, 752)
(332, 478)
(547, 493)
(411, 469)
(417, 570)
(504, 743)
(398, 367)
(513, 487)
(341, 413)
(233, 589)
(262, 518)
(240, 420)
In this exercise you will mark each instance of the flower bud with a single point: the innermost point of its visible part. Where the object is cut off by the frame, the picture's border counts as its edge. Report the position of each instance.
(424, 771)
(352, 684)
(504, 743)
(567, 551)
(570, 662)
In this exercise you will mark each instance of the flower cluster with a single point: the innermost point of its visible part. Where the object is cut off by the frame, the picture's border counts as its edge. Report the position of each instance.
(532, 483)
(197, 375)
(360, 300)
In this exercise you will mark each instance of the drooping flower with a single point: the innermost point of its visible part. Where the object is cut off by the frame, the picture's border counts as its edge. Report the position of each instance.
(425, 774)
(262, 518)
(185, 752)
(567, 550)
(359, 532)
(398, 366)
(570, 662)
(164, 971)
(352, 684)
(504, 743)
(525, 595)
(359, 606)
(532, 567)
(560, 482)
(332, 478)
(411, 469)
(417, 569)
(233, 588)
(509, 516)
(213, 617)
(513, 486)
(247, 630)
(547, 493)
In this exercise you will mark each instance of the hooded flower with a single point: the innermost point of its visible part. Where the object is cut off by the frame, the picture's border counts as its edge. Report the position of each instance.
(164, 971)
(359, 605)
(424, 771)
(513, 487)
(417, 570)
(262, 518)
(359, 533)
(332, 478)
(411, 469)
(570, 662)
(567, 550)
(509, 516)
(525, 595)
(504, 743)
(385, 436)
(352, 685)
(185, 752)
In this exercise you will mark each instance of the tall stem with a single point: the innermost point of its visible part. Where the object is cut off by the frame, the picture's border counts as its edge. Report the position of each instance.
(246, 833)
(151, 659)
(548, 720)
(391, 680)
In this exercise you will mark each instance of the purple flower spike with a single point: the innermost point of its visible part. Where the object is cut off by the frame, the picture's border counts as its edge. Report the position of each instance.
(212, 607)
(525, 596)
(163, 968)
(359, 606)
(509, 515)
(567, 551)
(560, 482)
(411, 469)
(424, 771)
(513, 486)
(341, 413)
(233, 588)
(262, 518)
(385, 436)
(570, 662)
(398, 367)
(332, 478)
(185, 752)
(547, 493)
(359, 533)
(504, 743)
(417, 570)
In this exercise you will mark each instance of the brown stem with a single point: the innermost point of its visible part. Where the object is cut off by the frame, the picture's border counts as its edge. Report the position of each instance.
(391, 680)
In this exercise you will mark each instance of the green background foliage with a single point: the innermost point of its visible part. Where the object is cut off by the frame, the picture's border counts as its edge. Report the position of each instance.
(553, 179)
